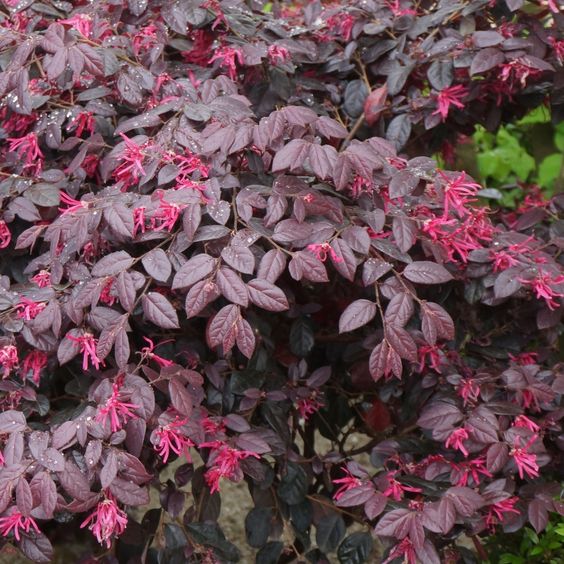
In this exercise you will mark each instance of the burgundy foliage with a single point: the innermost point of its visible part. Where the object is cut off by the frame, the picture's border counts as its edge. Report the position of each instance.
(219, 243)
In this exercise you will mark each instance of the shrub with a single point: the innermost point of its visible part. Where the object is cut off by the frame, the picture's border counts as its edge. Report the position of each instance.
(220, 241)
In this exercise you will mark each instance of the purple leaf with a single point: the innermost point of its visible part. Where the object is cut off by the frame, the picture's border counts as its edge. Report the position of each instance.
(120, 220)
(129, 493)
(357, 314)
(199, 296)
(36, 547)
(497, 457)
(425, 272)
(232, 287)
(239, 258)
(245, 338)
(291, 156)
(405, 231)
(466, 500)
(439, 415)
(74, 482)
(401, 342)
(537, 513)
(221, 330)
(486, 59)
(180, 398)
(384, 360)
(375, 505)
(271, 265)
(436, 322)
(252, 442)
(24, 497)
(12, 421)
(343, 259)
(329, 128)
(305, 265)
(157, 265)
(356, 496)
(373, 270)
(191, 219)
(112, 264)
(322, 159)
(289, 230)
(266, 295)
(159, 311)
(193, 271)
(399, 310)
(394, 524)
(109, 470)
(64, 435)
(403, 184)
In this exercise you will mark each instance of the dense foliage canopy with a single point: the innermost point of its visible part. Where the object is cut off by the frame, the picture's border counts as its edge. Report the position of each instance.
(224, 240)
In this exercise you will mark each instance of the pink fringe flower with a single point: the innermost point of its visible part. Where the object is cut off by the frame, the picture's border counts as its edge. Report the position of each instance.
(457, 193)
(469, 391)
(404, 551)
(525, 461)
(131, 168)
(27, 148)
(525, 423)
(543, 286)
(84, 121)
(117, 410)
(456, 440)
(138, 220)
(147, 352)
(228, 58)
(166, 215)
(498, 511)
(5, 235)
(349, 482)
(308, 406)
(16, 522)
(81, 23)
(322, 251)
(468, 468)
(106, 521)
(28, 309)
(396, 489)
(88, 344)
(34, 362)
(8, 359)
(42, 279)
(278, 55)
(224, 461)
(169, 438)
(447, 97)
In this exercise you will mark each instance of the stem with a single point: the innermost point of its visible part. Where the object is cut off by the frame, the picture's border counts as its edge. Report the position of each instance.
(353, 131)
(479, 548)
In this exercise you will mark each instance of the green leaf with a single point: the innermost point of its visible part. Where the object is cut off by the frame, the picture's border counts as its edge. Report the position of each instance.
(549, 169)
(523, 164)
(488, 163)
(541, 114)
(559, 136)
